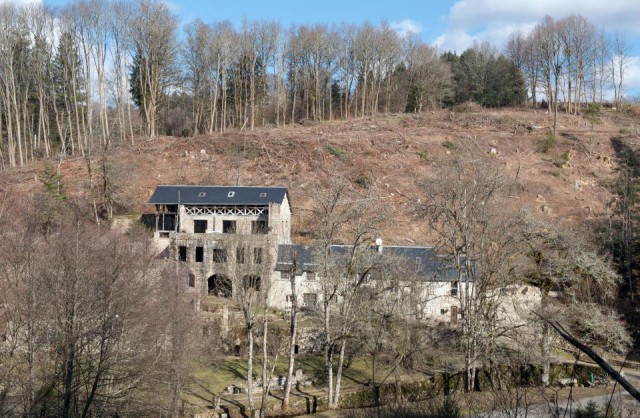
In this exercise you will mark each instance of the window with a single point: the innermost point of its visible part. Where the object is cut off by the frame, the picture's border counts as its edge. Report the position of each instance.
(240, 255)
(182, 253)
(166, 222)
(199, 254)
(309, 299)
(289, 298)
(285, 275)
(418, 261)
(263, 194)
(454, 288)
(199, 226)
(202, 194)
(311, 275)
(231, 194)
(219, 255)
(257, 255)
(192, 280)
(228, 227)
(259, 227)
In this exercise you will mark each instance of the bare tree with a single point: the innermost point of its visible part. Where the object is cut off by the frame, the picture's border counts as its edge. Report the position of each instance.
(153, 36)
(560, 261)
(474, 229)
(248, 269)
(430, 78)
(343, 214)
(198, 56)
(89, 332)
(619, 62)
(293, 329)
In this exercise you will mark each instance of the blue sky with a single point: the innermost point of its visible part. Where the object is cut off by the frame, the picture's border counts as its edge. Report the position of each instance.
(431, 16)
(450, 24)
(447, 24)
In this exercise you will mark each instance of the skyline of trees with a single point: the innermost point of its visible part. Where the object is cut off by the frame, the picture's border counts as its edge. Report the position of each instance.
(99, 72)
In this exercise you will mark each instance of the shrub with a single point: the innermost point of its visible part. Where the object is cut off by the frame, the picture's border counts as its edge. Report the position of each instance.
(563, 159)
(363, 181)
(547, 142)
(448, 409)
(624, 131)
(592, 410)
(449, 145)
(338, 152)
(423, 155)
(467, 107)
(592, 114)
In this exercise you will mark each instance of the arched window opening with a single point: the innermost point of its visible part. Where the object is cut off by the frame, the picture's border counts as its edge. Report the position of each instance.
(218, 285)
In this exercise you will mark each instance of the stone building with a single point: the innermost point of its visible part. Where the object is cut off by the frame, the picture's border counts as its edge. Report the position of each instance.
(220, 232)
(217, 231)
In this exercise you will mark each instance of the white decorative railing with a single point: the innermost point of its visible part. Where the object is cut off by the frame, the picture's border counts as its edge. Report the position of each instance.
(227, 210)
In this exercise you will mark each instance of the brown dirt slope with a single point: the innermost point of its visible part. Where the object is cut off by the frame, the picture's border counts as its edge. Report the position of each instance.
(396, 153)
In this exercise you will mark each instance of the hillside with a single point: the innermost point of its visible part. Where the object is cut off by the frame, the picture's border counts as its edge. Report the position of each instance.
(396, 153)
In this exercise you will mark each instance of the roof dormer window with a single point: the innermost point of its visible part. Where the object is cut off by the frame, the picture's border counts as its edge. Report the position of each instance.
(202, 194)
(263, 195)
(231, 194)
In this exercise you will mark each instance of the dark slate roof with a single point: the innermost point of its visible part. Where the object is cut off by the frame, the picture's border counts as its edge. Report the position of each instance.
(217, 195)
(428, 264)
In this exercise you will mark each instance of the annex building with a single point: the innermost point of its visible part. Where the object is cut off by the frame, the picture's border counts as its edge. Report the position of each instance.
(230, 236)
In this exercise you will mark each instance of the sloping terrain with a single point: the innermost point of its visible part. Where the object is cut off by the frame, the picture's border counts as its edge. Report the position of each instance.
(397, 154)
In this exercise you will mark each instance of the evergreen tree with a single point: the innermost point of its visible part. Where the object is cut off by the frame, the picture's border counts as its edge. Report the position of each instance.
(67, 86)
(485, 78)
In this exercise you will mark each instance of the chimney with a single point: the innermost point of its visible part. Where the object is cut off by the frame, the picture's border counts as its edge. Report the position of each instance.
(379, 244)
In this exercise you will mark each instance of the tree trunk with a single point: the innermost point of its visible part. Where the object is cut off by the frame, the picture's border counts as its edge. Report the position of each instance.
(292, 341)
(336, 397)
(328, 355)
(545, 342)
(250, 369)
(266, 377)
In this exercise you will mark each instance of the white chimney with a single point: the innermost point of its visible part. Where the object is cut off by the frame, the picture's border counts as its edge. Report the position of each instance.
(379, 244)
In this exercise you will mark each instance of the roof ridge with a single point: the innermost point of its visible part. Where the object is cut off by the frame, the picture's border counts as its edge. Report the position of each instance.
(210, 185)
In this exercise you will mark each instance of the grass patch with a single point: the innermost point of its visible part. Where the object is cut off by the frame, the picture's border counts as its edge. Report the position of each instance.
(563, 159)
(338, 152)
(212, 377)
(248, 150)
(451, 146)
(424, 156)
(547, 142)
(467, 107)
(624, 131)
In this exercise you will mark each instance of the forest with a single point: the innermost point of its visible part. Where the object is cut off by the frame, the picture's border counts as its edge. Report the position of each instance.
(93, 73)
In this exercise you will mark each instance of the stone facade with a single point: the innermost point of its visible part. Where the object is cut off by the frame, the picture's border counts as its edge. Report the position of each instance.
(218, 233)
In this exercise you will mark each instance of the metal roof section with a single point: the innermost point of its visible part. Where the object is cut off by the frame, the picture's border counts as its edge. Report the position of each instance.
(217, 195)
(429, 265)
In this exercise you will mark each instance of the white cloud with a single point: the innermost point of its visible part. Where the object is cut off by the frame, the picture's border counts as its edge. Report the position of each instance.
(632, 77)
(21, 2)
(454, 40)
(406, 26)
(173, 7)
(494, 20)
(611, 14)
(459, 39)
